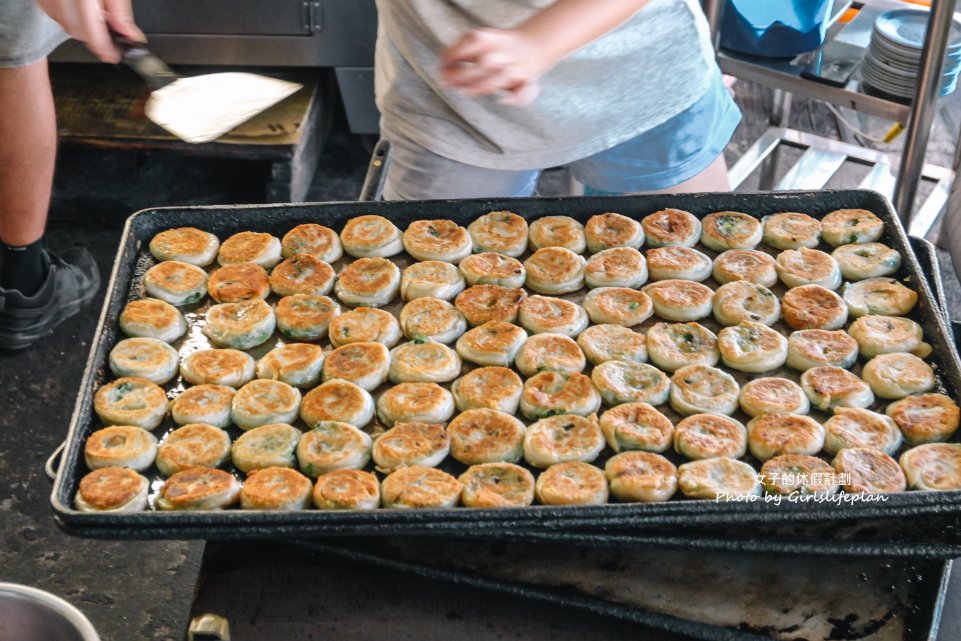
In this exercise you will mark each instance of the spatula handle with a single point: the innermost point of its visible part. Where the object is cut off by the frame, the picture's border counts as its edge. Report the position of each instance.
(138, 57)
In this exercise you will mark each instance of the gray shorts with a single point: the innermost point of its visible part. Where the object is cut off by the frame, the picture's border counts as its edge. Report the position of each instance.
(662, 157)
(27, 34)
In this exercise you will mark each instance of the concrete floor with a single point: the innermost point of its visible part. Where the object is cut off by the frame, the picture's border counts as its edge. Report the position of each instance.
(144, 590)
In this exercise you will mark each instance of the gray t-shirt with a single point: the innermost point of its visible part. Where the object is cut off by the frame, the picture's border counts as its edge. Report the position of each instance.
(651, 68)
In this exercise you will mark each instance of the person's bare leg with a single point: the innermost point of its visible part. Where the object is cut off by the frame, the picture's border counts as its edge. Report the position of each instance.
(39, 289)
(714, 178)
(28, 147)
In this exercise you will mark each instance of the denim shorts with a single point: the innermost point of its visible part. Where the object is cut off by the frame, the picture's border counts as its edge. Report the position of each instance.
(27, 34)
(662, 157)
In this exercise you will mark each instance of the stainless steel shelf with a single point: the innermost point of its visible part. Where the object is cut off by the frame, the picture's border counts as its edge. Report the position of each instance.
(785, 75)
(823, 157)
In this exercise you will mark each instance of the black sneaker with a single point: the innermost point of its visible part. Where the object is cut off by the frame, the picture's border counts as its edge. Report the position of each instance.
(71, 282)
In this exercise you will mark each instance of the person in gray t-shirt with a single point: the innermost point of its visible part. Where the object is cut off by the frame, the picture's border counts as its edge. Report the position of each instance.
(478, 96)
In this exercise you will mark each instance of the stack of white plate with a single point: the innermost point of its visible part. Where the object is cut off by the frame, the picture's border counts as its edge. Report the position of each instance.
(892, 60)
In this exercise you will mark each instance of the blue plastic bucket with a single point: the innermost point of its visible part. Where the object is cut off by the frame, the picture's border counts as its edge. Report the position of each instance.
(774, 28)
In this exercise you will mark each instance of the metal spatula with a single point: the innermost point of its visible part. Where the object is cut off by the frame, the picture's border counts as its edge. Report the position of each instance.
(201, 108)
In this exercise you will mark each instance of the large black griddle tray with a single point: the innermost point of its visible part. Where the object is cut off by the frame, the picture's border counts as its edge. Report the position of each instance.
(920, 520)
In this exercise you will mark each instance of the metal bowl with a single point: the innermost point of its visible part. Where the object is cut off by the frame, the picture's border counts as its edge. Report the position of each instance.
(29, 614)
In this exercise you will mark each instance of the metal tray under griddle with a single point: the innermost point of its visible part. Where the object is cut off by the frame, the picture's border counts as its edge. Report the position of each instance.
(677, 592)
(932, 516)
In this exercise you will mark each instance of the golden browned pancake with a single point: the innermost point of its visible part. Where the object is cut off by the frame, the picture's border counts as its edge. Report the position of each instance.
(637, 426)
(482, 303)
(925, 418)
(557, 231)
(112, 489)
(131, 401)
(347, 490)
(250, 247)
(337, 400)
(408, 444)
(497, 485)
(120, 446)
(302, 274)
(417, 487)
(486, 436)
(773, 396)
(562, 438)
(715, 478)
(571, 483)
(199, 488)
(237, 282)
(641, 476)
(193, 445)
(791, 230)
(496, 388)
(240, 325)
(829, 386)
(415, 403)
(772, 434)
(271, 445)
(813, 307)
(148, 358)
(364, 364)
(725, 230)
(305, 317)
(798, 474)
(333, 446)
(313, 239)
(490, 268)
(605, 231)
(228, 367)
(503, 232)
(550, 393)
(152, 318)
(744, 264)
(671, 227)
(442, 240)
(297, 364)
(364, 325)
(176, 283)
(869, 471)
(549, 315)
(275, 488)
(555, 270)
(932, 466)
(549, 352)
(186, 244)
(616, 267)
(370, 282)
(264, 401)
(851, 226)
(371, 236)
(709, 435)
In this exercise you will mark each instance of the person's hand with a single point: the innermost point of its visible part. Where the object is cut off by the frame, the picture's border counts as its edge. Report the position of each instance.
(90, 22)
(487, 61)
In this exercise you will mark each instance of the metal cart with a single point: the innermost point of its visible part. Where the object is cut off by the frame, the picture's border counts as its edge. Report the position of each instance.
(822, 157)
